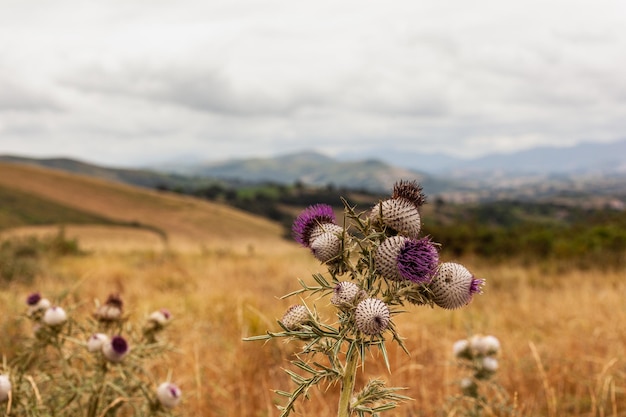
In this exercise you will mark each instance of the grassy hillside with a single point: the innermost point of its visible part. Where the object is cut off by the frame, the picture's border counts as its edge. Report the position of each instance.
(186, 222)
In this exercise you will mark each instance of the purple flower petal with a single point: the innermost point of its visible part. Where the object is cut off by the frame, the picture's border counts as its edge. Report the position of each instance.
(311, 217)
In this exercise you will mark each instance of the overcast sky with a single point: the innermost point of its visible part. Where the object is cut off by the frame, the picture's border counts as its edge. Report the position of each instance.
(127, 82)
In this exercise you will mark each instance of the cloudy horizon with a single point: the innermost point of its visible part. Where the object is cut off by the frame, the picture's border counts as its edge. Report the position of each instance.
(139, 82)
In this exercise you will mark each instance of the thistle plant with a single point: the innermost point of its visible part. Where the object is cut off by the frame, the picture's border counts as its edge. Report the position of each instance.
(477, 356)
(377, 263)
(95, 367)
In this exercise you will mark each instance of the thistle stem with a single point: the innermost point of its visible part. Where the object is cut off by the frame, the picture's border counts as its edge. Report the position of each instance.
(348, 382)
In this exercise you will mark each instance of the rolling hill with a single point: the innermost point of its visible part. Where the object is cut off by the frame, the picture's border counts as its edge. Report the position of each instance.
(183, 222)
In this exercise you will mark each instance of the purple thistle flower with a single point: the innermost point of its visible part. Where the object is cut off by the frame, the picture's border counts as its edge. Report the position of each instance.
(115, 349)
(33, 299)
(400, 258)
(309, 219)
(418, 260)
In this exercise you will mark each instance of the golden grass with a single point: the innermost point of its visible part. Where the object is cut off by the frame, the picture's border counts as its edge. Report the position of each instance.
(563, 343)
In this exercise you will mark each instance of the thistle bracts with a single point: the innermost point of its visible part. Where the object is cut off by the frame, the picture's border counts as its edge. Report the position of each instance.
(454, 286)
(376, 263)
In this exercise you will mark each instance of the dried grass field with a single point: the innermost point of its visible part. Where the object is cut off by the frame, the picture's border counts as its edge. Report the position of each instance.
(562, 334)
(562, 330)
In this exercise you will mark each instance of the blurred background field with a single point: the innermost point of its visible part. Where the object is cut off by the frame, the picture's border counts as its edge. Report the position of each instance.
(554, 295)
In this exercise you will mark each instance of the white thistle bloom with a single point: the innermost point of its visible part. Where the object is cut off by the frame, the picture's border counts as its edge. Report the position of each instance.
(460, 348)
(168, 394)
(160, 317)
(490, 364)
(5, 387)
(96, 342)
(491, 345)
(55, 316)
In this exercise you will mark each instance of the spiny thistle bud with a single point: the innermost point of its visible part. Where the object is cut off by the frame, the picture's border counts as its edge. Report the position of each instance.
(401, 212)
(5, 387)
(400, 258)
(96, 342)
(453, 286)
(326, 247)
(305, 225)
(54, 316)
(372, 316)
(345, 293)
(168, 394)
(295, 316)
(115, 349)
(111, 310)
(36, 303)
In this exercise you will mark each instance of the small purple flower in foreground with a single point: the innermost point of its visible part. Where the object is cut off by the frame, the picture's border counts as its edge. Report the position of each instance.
(400, 258)
(111, 310)
(54, 316)
(36, 303)
(115, 349)
(303, 228)
(5, 387)
(33, 299)
(168, 394)
(453, 286)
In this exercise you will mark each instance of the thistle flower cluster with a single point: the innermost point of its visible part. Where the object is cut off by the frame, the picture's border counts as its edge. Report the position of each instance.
(477, 356)
(377, 261)
(87, 369)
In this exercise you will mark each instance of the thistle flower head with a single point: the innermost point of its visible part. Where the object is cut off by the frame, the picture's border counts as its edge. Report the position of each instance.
(490, 364)
(372, 316)
(5, 387)
(397, 216)
(453, 286)
(33, 299)
(326, 247)
(36, 303)
(115, 349)
(410, 191)
(311, 217)
(111, 310)
(460, 349)
(54, 316)
(484, 345)
(345, 293)
(160, 317)
(400, 258)
(168, 394)
(96, 342)
(295, 316)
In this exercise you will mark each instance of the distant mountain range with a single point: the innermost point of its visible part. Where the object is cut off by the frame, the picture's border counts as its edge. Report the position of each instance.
(585, 158)
(599, 169)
